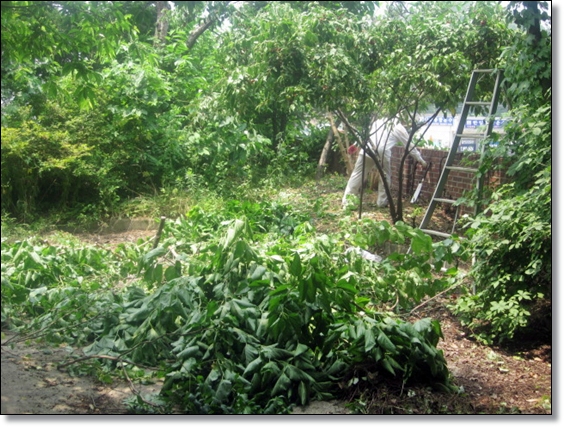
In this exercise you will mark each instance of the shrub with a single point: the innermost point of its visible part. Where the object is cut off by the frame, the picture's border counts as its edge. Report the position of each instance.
(512, 239)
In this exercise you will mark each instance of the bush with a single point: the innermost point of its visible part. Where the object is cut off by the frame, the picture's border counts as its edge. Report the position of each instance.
(42, 165)
(513, 246)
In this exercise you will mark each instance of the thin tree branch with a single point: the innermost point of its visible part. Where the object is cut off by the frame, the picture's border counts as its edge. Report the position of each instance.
(194, 35)
(137, 392)
(209, 21)
(101, 356)
(432, 298)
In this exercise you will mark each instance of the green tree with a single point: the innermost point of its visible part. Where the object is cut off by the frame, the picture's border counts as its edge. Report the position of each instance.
(287, 60)
(42, 40)
(150, 127)
(289, 64)
(423, 58)
(528, 60)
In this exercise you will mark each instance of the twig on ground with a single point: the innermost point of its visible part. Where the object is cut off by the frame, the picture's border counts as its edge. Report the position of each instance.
(101, 356)
(395, 305)
(135, 391)
(432, 298)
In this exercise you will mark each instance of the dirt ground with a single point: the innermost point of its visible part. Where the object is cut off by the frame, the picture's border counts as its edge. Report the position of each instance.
(32, 384)
(492, 380)
(495, 380)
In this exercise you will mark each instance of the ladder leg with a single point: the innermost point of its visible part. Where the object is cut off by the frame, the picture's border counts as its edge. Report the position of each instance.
(468, 104)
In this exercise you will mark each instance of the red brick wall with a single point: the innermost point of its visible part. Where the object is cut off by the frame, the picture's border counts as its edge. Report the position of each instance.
(458, 182)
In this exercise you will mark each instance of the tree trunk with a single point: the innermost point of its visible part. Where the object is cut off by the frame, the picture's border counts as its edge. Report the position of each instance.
(324, 153)
(342, 148)
(395, 216)
(161, 27)
(400, 184)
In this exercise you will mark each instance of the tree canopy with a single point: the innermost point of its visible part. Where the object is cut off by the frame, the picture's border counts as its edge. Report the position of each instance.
(202, 87)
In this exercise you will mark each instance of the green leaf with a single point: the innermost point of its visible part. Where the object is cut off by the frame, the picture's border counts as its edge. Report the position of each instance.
(251, 352)
(188, 352)
(157, 273)
(309, 290)
(300, 349)
(253, 366)
(223, 390)
(140, 314)
(233, 233)
(296, 266)
(273, 352)
(281, 385)
(258, 273)
(303, 393)
(385, 342)
(421, 243)
(188, 365)
(173, 272)
(347, 287)
(337, 367)
(154, 253)
(280, 290)
(386, 364)
(213, 376)
(369, 341)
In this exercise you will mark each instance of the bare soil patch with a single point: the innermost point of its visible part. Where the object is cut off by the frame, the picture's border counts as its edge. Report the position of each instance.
(33, 384)
(494, 379)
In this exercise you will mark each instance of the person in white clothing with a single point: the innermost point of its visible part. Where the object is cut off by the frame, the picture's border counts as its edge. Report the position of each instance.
(383, 136)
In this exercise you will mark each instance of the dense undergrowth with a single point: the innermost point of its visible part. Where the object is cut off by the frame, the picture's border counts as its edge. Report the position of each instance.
(245, 308)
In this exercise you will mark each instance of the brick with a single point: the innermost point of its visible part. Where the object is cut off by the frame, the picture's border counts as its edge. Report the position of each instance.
(457, 184)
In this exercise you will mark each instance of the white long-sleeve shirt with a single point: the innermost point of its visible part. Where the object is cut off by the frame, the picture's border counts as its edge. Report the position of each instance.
(385, 135)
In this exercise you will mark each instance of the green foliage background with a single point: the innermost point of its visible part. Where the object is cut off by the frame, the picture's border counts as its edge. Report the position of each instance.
(245, 307)
(242, 105)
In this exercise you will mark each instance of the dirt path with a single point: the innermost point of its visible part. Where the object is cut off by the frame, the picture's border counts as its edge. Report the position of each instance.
(32, 384)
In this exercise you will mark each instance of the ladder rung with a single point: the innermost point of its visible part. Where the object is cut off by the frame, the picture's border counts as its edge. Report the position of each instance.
(478, 103)
(484, 70)
(461, 169)
(471, 135)
(436, 233)
(444, 200)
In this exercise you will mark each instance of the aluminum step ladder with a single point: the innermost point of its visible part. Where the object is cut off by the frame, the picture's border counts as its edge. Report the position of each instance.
(469, 104)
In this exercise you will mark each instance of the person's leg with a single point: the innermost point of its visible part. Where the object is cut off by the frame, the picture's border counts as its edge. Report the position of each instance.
(355, 180)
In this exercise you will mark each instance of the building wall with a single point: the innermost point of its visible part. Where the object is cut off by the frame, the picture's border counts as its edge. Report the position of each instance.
(458, 182)
(442, 130)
